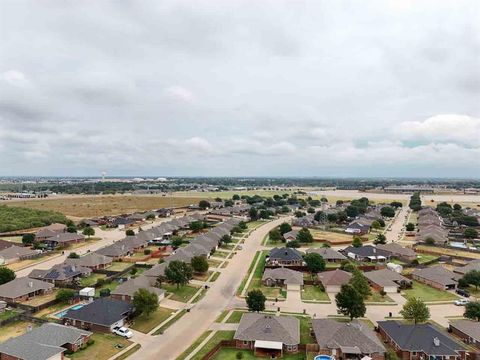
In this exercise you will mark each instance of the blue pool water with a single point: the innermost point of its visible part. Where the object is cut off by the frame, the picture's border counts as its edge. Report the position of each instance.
(61, 314)
(322, 357)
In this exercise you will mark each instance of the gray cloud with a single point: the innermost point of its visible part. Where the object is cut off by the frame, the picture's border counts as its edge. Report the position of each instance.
(274, 87)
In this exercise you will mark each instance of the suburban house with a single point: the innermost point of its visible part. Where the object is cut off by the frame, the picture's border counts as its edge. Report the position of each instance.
(467, 330)
(22, 289)
(291, 279)
(126, 290)
(358, 227)
(387, 280)
(49, 231)
(472, 265)
(17, 253)
(437, 234)
(420, 341)
(63, 239)
(268, 335)
(328, 254)
(305, 221)
(333, 280)
(367, 253)
(102, 315)
(61, 274)
(5, 244)
(284, 257)
(115, 251)
(46, 342)
(354, 340)
(290, 235)
(399, 252)
(91, 260)
(436, 276)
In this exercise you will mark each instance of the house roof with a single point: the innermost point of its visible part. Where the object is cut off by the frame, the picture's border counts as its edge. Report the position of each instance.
(254, 326)
(22, 286)
(91, 259)
(284, 254)
(60, 272)
(5, 244)
(472, 265)
(327, 253)
(468, 327)
(65, 237)
(43, 342)
(386, 277)
(366, 251)
(156, 270)
(13, 252)
(436, 274)
(335, 277)
(290, 234)
(420, 337)
(355, 337)
(396, 249)
(290, 277)
(102, 311)
(129, 287)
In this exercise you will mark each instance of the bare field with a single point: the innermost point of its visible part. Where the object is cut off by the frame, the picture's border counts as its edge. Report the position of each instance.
(99, 205)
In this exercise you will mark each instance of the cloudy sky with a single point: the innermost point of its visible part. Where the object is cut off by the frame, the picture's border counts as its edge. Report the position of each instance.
(300, 88)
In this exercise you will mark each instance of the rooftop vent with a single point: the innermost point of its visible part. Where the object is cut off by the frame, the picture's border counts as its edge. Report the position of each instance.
(436, 341)
(30, 284)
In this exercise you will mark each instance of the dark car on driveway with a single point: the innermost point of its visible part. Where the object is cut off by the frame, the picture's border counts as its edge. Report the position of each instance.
(463, 293)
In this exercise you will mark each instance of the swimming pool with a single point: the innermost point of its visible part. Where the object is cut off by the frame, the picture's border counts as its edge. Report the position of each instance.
(61, 314)
(322, 357)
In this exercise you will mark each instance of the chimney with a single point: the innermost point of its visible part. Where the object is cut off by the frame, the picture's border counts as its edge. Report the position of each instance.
(374, 250)
(436, 341)
(30, 284)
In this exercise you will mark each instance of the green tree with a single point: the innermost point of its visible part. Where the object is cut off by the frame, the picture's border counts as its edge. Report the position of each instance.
(199, 264)
(284, 228)
(387, 211)
(145, 302)
(64, 295)
(347, 266)
(197, 226)
(72, 228)
(376, 225)
(380, 239)
(88, 231)
(410, 226)
(179, 273)
(6, 275)
(350, 302)
(315, 263)
(396, 204)
(236, 197)
(293, 244)
(472, 311)
(73, 255)
(473, 278)
(333, 218)
(357, 242)
(243, 225)
(470, 233)
(415, 310)
(150, 217)
(304, 236)
(176, 241)
(274, 235)
(225, 239)
(28, 239)
(360, 283)
(129, 232)
(253, 213)
(457, 207)
(203, 204)
(256, 300)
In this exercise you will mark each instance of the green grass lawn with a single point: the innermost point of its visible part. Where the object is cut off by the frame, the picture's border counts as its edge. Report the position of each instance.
(305, 324)
(7, 314)
(104, 347)
(254, 224)
(231, 354)
(220, 254)
(145, 324)
(314, 293)
(219, 336)
(214, 263)
(91, 279)
(424, 258)
(183, 293)
(129, 352)
(235, 317)
(215, 276)
(177, 316)
(112, 286)
(118, 266)
(194, 345)
(428, 293)
(376, 297)
(250, 269)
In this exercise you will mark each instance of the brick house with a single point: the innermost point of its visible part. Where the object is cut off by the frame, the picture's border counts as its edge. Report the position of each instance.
(23, 289)
(437, 277)
(285, 257)
(467, 330)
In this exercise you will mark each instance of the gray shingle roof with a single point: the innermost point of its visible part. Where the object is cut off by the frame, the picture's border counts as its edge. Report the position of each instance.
(436, 274)
(254, 326)
(356, 336)
(468, 327)
(421, 337)
(102, 311)
(327, 253)
(283, 254)
(43, 342)
(131, 286)
(17, 252)
(386, 277)
(290, 277)
(91, 259)
(22, 286)
(335, 277)
(60, 272)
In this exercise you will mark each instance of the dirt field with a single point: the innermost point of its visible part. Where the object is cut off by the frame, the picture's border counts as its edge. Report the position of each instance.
(79, 207)
(331, 237)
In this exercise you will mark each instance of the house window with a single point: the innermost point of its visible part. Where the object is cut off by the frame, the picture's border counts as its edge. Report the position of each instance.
(289, 348)
(245, 343)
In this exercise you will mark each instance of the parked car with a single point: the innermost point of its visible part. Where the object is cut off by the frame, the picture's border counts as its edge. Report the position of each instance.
(461, 302)
(463, 293)
(123, 332)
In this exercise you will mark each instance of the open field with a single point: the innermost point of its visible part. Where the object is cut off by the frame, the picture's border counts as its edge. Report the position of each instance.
(331, 237)
(90, 206)
(229, 194)
(448, 252)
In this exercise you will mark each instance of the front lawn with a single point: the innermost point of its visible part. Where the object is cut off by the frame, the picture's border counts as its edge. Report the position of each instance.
(376, 297)
(428, 293)
(219, 336)
(7, 314)
(164, 327)
(194, 345)
(91, 279)
(118, 266)
(145, 324)
(111, 286)
(314, 293)
(183, 293)
(231, 354)
(103, 348)
(214, 263)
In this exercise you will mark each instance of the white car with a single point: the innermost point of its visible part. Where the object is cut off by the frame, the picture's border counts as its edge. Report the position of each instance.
(461, 302)
(123, 332)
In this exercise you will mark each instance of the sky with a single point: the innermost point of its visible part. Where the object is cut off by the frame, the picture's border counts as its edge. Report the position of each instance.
(240, 88)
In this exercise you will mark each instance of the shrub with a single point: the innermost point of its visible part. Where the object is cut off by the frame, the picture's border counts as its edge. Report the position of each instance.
(104, 292)
(147, 252)
(239, 355)
(90, 342)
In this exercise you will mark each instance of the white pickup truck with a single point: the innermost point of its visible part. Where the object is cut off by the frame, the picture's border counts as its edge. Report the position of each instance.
(123, 332)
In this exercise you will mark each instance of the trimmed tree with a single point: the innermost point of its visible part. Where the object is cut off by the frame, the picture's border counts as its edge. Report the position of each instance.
(284, 228)
(360, 283)
(415, 310)
(473, 278)
(380, 239)
(88, 231)
(145, 302)
(6, 275)
(387, 211)
(28, 239)
(179, 273)
(203, 204)
(357, 242)
(410, 226)
(225, 239)
(200, 264)
(256, 300)
(129, 232)
(304, 236)
(64, 295)
(275, 235)
(472, 311)
(315, 263)
(470, 233)
(350, 302)
(176, 241)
